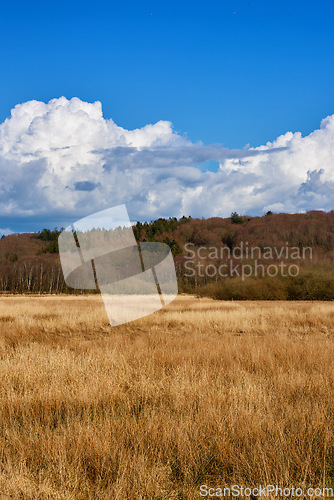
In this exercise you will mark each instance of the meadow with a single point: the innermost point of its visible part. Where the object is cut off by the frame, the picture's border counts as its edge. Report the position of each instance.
(201, 392)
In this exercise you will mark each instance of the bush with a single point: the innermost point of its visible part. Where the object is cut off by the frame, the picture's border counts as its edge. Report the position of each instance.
(311, 285)
(249, 289)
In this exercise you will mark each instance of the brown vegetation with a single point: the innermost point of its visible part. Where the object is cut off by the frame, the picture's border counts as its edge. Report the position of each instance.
(29, 263)
(202, 392)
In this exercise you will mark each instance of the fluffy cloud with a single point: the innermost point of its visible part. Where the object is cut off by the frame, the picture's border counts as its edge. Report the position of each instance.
(5, 232)
(63, 158)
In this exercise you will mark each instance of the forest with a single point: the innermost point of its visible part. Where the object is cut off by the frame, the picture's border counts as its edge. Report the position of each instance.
(272, 257)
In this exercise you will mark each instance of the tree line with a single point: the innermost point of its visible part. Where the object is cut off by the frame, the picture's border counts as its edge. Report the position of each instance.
(38, 269)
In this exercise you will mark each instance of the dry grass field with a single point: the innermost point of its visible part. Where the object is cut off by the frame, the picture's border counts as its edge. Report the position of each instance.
(202, 392)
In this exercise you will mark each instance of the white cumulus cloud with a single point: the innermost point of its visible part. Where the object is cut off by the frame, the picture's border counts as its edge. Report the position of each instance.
(64, 158)
(5, 232)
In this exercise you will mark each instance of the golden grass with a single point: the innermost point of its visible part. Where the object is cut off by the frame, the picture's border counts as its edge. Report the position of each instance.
(202, 392)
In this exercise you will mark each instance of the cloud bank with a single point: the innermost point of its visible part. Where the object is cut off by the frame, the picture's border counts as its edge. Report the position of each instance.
(5, 232)
(64, 158)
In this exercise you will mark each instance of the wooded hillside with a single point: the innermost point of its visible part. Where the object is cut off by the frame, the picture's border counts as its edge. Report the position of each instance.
(202, 249)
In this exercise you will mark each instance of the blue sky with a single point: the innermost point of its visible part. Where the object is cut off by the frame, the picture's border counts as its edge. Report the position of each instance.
(231, 73)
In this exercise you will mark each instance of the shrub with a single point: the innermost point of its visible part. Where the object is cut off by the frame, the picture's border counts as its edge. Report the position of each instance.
(249, 289)
(311, 285)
